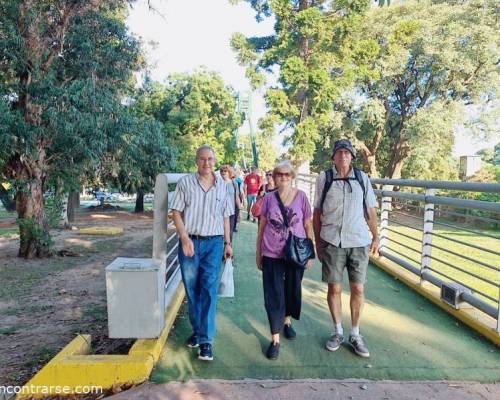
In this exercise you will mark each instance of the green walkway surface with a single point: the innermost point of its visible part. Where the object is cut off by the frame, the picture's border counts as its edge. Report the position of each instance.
(409, 338)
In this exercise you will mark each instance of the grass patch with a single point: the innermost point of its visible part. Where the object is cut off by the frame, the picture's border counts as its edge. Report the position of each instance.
(40, 356)
(12, 312)
(410, 247)
(39, 308)
(6, 214)
(20, 277)
(9, 233)
(96, 312)
(8, 331)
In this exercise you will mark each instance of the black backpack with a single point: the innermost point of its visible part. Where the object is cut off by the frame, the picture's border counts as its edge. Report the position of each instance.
(328, 184)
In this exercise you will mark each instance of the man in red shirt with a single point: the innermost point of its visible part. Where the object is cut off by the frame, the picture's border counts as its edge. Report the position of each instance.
(252, 184)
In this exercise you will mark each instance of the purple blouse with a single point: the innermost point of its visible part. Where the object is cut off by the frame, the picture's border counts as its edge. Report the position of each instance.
(275, 231)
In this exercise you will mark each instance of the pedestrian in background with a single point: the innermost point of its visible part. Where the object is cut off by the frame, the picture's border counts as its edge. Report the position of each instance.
(252, 182)
(227, 173)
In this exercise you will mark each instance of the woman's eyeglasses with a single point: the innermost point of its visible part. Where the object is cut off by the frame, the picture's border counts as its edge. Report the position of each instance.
(269, 174)
(283, 174)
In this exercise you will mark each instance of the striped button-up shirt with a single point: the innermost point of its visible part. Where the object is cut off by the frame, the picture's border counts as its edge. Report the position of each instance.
(343, 221)
(203, 211)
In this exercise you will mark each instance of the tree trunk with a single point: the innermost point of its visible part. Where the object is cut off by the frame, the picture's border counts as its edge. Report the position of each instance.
(7, 200)
(400, 152)
(63, 220)
(396, 169)
(139, 202)
(370, 164)
(73, 204)
(33, 226)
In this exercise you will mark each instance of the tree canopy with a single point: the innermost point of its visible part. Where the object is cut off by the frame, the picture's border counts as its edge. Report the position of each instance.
(196, 109)
(393, 79)
(65, 68)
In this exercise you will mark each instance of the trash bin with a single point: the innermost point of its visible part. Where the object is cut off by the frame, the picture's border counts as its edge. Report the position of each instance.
(135, 289)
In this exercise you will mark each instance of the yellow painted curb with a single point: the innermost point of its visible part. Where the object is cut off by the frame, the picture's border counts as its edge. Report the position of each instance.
(74, 368)
(475, 319)
(101, 230)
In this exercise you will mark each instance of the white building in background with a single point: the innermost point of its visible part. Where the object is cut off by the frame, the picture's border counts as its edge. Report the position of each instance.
(469, 165)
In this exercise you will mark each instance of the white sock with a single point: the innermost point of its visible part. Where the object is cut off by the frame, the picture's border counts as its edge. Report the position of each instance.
(355, 331)
(339, 329)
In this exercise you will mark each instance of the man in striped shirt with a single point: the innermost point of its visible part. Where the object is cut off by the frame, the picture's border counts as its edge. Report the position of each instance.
(201, 210)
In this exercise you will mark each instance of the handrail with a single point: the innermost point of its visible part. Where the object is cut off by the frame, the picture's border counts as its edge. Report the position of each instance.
(472, 269)
(449, 185)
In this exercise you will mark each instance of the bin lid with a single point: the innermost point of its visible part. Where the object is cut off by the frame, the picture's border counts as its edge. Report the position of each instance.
(127, 264)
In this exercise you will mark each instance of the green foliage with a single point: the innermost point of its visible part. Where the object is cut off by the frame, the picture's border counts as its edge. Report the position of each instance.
(141, 152)
(31, 230)
(417, 66)
(491, 155)
(53, 209)
(268, 154)
(194, 110)
(309, 48)
(65, 70)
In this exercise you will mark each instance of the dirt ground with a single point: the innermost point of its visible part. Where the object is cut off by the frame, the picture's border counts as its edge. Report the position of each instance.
(45, 303)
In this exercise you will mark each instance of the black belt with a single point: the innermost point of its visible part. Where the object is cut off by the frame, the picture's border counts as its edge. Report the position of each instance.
(199, 237)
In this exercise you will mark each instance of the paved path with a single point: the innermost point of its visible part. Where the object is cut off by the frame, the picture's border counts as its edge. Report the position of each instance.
(312, 389)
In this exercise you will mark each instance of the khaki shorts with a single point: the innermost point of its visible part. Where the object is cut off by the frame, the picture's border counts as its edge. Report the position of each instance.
(335, 259)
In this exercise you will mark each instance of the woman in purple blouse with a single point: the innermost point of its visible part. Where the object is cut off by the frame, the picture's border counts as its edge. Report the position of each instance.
(282, 280)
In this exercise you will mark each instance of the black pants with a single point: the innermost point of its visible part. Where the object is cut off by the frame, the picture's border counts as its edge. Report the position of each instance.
(236, 216)
(282, 291)
(232, 225)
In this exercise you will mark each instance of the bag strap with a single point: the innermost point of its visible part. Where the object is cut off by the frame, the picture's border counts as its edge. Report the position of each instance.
(326, 188)
(282, 209)
(359, 178)
(328, 184)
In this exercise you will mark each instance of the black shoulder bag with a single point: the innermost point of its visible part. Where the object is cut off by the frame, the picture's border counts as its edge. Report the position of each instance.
(297, 250)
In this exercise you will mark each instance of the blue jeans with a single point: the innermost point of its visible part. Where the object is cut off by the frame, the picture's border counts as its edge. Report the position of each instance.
(200, 275)
(251, 199)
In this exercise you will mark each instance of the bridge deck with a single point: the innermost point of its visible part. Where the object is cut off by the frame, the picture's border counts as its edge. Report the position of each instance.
(409, 337)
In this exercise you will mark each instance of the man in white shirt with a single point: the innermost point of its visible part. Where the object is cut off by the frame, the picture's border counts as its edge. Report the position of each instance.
(201, 208)
(342, 239)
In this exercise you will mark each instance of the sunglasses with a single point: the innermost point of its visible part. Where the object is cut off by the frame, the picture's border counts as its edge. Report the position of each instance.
(283, 174)
(269, 174)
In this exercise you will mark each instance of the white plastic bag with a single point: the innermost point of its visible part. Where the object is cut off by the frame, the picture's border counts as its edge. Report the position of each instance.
(226, 286)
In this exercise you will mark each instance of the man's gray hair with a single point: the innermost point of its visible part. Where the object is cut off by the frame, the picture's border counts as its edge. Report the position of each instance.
(204, 147)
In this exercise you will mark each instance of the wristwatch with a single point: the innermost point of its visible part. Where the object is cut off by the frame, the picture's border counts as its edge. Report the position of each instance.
(227, 243)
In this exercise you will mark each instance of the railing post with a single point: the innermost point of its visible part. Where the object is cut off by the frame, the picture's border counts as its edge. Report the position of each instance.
(160, 219)
(384, 219)
(427, 233)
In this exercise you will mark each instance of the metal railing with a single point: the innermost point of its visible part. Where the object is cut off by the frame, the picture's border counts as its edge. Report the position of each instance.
(442, 239)
(165, 238)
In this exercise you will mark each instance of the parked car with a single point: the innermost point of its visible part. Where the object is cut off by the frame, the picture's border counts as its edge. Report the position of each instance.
(104, 196)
